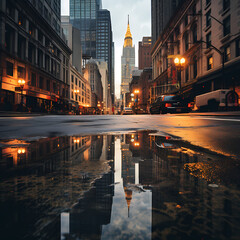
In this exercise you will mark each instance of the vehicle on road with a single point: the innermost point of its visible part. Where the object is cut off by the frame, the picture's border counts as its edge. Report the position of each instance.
(215, 100)
(169, 104)
(127, 111)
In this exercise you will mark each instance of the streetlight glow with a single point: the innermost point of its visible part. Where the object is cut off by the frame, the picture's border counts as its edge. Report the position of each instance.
(21, 82)
(182, 61)
(176, 61)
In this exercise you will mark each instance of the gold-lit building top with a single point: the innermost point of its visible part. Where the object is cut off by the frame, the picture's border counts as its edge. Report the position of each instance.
(128, 36)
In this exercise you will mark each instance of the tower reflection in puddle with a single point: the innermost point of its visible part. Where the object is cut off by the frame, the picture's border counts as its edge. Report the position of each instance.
(131, 186)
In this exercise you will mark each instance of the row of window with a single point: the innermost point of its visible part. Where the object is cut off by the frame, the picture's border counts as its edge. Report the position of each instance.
(226, 23)
(40, 82)
(225, 4)
(78, 82)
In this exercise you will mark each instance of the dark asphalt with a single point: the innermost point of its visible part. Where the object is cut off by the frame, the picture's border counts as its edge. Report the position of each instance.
(218, 132)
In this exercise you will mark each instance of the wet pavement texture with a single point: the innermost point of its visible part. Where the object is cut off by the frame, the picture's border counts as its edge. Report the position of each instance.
(137, 185)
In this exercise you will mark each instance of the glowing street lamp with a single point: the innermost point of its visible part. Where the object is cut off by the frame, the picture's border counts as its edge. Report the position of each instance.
(76, 91)
(136, 92)
(179, 63)
(21, 82)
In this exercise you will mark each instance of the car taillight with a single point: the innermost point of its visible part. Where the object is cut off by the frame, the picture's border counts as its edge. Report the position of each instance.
(168, 105)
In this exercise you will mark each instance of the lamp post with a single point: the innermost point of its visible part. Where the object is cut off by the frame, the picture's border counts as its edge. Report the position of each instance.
(179, 63)
(76, 91)
(136, 92)
(21, 83)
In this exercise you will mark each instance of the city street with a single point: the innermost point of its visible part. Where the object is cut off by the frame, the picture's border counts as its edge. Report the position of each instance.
(120, 177)
(218, 132)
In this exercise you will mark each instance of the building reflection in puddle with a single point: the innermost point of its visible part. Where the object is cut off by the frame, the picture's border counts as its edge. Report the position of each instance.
(130, 186)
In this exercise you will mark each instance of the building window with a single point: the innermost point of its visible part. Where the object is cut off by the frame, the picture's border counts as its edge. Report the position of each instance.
(33, 79)
(208, 19)
(209, 63)
(194, 33)
(186, 41)
(227, 53)
(48, 85)
(21, 72)
(238, 48)
(9, 70)
(41, 82)
(195, 70)
(194, 11)
(226, 4)
(209, 40)
(72, 79)
(186, 20)
(226, 26)
(177, 31)
(186, 74)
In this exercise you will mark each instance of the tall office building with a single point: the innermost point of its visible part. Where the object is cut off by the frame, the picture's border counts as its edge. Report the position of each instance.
(162, 11)
(32, 48)
(96, 33)
(128, 63)
(105, 44)
(83, 15)
(144, 53)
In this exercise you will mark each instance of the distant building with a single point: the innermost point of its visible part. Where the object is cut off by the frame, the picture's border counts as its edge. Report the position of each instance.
(73, 37)
(80, 91)
(127, 63)
(83, 15)
(33, 49)
(107, 100)
(93, 75)
(144, 53)
(105, 46)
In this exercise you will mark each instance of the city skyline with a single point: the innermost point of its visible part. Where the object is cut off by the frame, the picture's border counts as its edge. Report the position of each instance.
(139, 12)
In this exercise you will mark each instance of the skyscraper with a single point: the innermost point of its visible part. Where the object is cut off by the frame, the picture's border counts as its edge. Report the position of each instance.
(96, 32)
(128, 63)
(105, 44)
(144, 53)
(162, 11)
(83, 15)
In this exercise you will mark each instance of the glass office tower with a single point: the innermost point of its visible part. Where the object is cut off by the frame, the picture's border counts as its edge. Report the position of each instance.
(105, 44)
(83, 15)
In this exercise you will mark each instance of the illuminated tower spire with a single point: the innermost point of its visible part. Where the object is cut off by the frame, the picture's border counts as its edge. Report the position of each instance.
(128, 36)
(128, 196)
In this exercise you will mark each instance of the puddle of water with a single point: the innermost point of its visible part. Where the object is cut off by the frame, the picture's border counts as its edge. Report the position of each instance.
(125, 186)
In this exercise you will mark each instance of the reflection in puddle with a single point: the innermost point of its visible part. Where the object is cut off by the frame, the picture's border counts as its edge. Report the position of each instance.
(130, 186)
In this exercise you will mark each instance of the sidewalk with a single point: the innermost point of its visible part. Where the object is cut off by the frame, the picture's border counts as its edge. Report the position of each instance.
(211, 114)
(19, 114)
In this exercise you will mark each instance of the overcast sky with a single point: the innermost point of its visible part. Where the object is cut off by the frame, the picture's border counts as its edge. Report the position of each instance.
(140, 24)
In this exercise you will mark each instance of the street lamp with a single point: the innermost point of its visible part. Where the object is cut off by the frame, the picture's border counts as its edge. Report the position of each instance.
(76, 91)
(137, 92)
(21, 83)
(179, 63)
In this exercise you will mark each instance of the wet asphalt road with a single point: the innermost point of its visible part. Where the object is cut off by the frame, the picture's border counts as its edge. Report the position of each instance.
(219, 133)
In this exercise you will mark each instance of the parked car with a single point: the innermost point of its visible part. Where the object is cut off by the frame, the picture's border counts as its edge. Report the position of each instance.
(170, 104)
(215, 100)
(127, 111)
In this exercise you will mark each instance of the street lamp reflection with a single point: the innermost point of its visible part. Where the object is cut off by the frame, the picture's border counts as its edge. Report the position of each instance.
(21, 150)
(137, 144)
